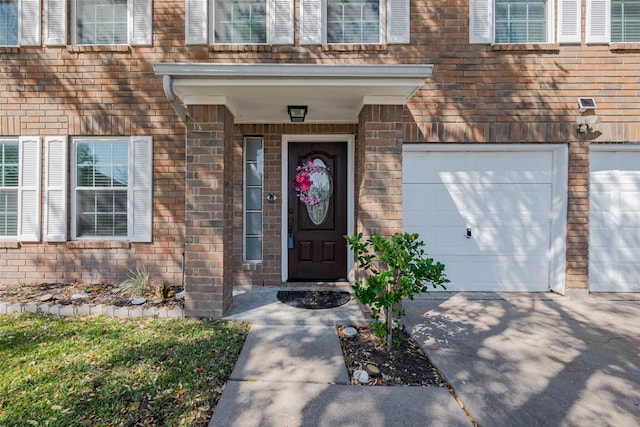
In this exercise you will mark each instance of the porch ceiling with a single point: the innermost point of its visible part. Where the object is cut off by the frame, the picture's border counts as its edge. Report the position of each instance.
(260, 93)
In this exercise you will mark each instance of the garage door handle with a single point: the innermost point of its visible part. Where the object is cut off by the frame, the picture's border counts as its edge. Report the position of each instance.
(468, 232)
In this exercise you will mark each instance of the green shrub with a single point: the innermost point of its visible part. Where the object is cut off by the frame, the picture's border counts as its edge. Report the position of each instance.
(395, 269)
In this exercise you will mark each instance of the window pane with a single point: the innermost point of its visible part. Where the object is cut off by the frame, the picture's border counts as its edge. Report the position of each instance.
(102, 164)
(9, 164)
(353, 21)
(240, 21)
(254, 223)
(521, 21)
(8, 212)
(254, 174)
(625, 20)
(253, 249)
(101, 213)
(254, 199)
(8, 22)
(102, 21)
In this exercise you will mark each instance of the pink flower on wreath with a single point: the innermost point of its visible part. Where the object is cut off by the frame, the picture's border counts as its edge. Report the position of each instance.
(303, 182)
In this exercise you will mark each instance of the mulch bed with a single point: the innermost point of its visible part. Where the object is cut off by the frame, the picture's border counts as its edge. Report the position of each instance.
(406, 365)
(96, 294)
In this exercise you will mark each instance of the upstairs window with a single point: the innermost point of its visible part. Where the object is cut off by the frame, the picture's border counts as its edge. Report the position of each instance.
(240, 21)
(20, 22)
(353, 21)
(101, 22)
(616, 21)
(321, 21)
(625, 20)
(8, 22)
(516, 21)
(521, 21)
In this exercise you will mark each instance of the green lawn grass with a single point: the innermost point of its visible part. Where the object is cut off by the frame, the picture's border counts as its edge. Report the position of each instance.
(100, 371)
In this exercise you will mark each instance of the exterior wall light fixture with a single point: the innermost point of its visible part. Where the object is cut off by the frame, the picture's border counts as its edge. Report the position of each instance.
(297, 113)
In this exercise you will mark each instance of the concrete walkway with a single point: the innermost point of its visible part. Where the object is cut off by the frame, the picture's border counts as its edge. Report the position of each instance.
(291, 372)
(513, 360)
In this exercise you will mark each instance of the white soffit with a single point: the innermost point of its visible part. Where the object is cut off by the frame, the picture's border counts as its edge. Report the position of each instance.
(260, 93)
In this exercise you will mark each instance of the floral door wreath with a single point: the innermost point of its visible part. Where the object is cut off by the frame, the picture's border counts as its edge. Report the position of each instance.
(307, 192)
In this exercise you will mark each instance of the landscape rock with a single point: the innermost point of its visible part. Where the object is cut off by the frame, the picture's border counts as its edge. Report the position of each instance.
(138, 301)
(79, 295)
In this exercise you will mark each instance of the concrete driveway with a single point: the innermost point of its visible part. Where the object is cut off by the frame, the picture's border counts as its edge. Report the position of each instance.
(535, 359)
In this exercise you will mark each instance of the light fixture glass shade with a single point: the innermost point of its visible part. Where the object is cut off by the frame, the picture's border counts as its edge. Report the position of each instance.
(297, 113)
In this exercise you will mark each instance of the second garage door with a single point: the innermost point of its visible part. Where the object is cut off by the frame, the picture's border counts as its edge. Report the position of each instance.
(614, 219)
(494, 215)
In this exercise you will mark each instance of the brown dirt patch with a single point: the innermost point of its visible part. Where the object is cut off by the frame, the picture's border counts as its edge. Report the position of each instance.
(96, 294)
(405, 365)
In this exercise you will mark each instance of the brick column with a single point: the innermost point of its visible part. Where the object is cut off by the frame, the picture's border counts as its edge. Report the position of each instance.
(577, 281)
(208, 247)
(379, 170)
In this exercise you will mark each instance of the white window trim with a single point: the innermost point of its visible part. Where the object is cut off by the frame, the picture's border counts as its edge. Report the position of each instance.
(140, 36)
(382, 24)
(15, 237)
(244, 205)
(141, 232)
(480, 35)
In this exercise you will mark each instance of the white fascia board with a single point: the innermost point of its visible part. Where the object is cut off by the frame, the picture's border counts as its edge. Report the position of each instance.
(287, 71)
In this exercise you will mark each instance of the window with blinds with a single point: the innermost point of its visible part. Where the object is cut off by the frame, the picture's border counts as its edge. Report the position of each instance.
(240, 21)
(102, 22)
(8, 188)
(520, 21)
(353, 21)
(8, 22)
(625, 20)
(101, 191)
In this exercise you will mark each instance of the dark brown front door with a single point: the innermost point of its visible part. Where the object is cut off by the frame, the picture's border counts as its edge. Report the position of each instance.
(317, 211)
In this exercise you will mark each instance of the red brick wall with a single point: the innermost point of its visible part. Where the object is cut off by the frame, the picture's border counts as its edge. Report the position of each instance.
(478, 93)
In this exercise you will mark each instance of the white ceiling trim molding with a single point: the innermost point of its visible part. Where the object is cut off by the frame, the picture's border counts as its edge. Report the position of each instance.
(260, 93)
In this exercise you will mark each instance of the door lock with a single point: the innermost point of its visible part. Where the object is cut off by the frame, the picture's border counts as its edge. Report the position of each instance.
(468, 232)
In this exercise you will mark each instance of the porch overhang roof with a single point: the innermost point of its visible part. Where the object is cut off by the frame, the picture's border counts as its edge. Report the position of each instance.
(260, 93)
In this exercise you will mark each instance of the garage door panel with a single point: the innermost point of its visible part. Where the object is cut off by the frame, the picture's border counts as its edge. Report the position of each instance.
(614, 221)
(477, 167)
(497, 274)
(505, 198)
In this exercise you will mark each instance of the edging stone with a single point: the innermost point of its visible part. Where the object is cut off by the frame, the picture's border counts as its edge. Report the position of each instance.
(90, 310)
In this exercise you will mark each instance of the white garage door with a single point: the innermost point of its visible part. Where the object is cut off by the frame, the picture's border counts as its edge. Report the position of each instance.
(614, 219)
(493, 217)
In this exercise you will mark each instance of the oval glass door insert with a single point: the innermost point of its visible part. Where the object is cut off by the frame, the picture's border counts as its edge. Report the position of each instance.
(320, 191)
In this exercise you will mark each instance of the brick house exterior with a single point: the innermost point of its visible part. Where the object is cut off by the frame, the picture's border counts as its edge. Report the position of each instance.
(477, 93)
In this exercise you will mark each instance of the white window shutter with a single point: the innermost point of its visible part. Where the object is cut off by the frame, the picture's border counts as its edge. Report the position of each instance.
(569, 17)
(140, 200)
(598, 21)
(311, 22)
(29, 28)
(55, 23)
(398, 22)
(282, 22)
(141, 22)
(481, 21)
(195, 26)
(55, 189)
(29, 189)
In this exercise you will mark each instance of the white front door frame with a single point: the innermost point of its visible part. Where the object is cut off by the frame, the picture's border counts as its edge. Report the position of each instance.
(349, 139)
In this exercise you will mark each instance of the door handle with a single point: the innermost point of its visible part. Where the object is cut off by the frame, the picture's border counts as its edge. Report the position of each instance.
(468, 232)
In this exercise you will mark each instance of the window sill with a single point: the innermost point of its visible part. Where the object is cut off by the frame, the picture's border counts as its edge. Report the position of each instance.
(517, 47)
(9, 244)
(81, 244)
(240, 48)
(624, 46)
(354, 47)
(83, 48)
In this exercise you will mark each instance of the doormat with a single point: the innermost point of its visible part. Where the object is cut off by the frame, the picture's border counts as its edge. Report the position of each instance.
(314, 300)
